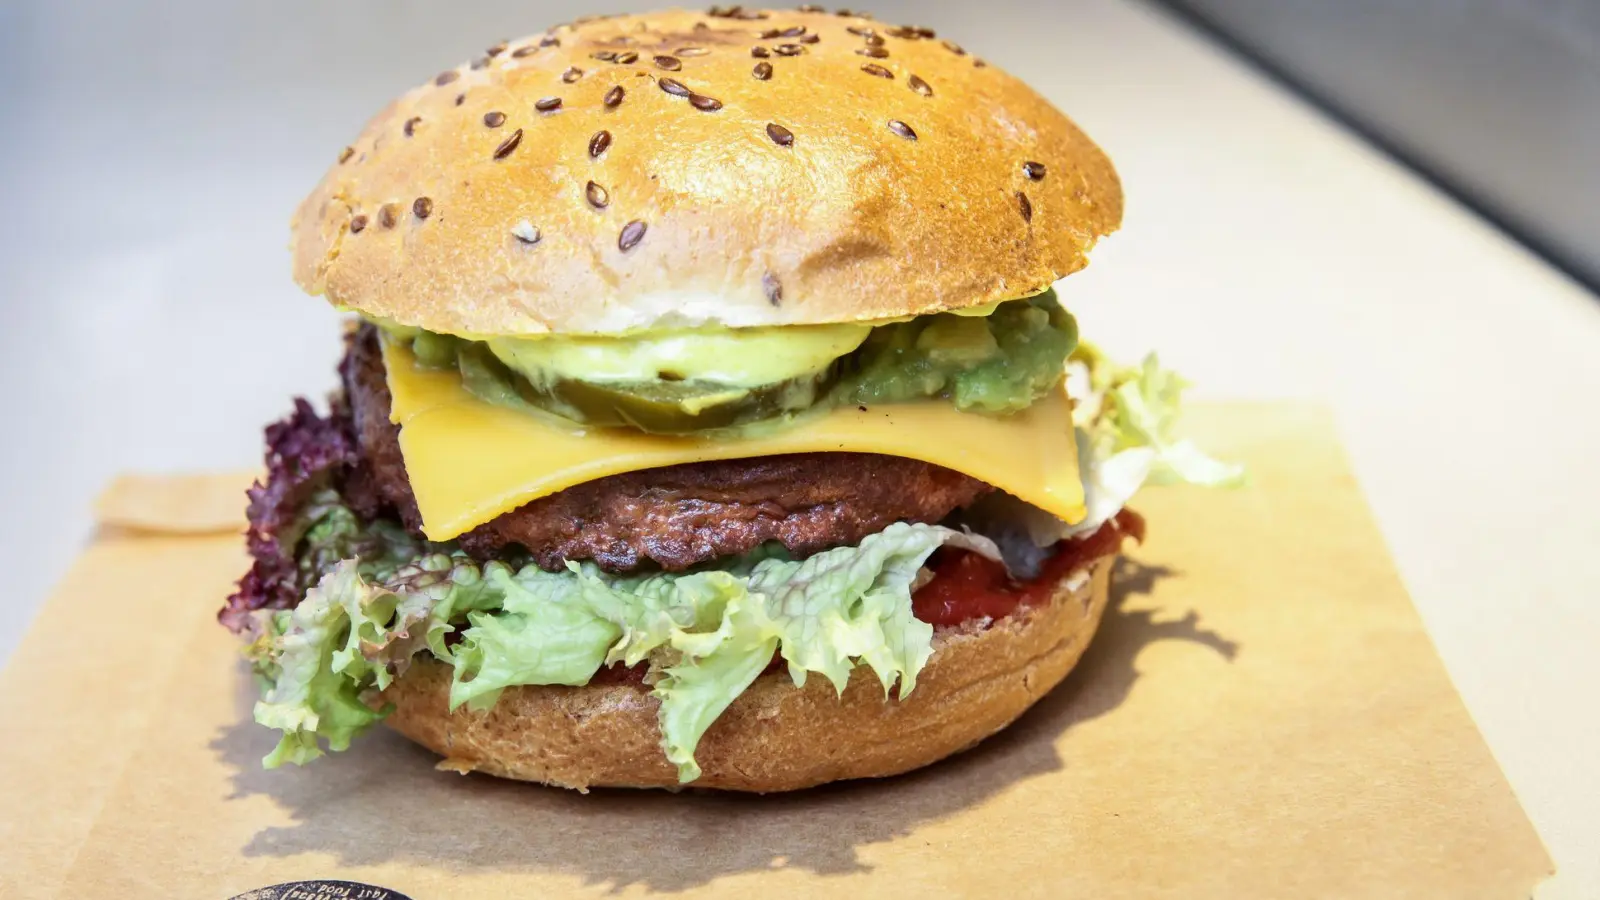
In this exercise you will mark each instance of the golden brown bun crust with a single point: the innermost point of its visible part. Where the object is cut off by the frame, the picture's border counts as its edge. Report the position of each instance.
(774, 737)
(850, 221)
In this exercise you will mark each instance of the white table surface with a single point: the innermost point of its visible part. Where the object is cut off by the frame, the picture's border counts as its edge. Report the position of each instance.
(150, 322)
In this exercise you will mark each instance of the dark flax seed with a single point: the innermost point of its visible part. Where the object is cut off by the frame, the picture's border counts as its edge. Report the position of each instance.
(599, 143)
(508, 145)
(632, 234)
(780, 135)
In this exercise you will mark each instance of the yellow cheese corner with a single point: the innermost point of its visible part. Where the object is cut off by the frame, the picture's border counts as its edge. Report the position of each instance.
(469, 461)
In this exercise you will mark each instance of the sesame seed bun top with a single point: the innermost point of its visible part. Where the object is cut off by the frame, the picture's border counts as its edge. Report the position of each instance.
(737, 167)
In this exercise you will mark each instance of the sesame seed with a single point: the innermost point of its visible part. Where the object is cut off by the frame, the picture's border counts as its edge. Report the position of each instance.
(701, 26)
(704, 103)
(780, 135)
(345, 154)
(978, 63)
(628, 58)
(411, 125)
(874, 52)
(773, 288)
(670, 63)
(1025, 206)
(508, 145)
(598, 196)
(692, 51)
(525, 232)
(809, 38)
(604, 55)
(386, 215)
(762, 71)
(481, 62)
(811, 8)
(632, 234)
(358, 224)
(446, 77)
(789, 50)
(955, 48)
(599, 143)
(614, 97)
(1034, 171)
(920, 86)
(422, 207)
(549, 40)
(760, 52)
(460, 99)
(860, 31)
(875, 69)
(844, 12)
(497, 49)
(793, 31)
(494, 118)
(521, 52)
(674, 87)
(547, 104)
(902, 129)
(571, 75)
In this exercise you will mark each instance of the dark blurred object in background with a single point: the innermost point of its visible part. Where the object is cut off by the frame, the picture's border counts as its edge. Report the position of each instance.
(1498, 100)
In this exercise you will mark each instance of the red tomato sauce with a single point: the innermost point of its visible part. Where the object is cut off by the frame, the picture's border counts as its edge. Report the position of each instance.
(968, 586)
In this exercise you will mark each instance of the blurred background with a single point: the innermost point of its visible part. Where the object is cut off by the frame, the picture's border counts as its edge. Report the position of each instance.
(1391, 207)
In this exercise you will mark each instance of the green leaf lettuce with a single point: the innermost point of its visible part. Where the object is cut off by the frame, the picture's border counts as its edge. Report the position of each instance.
(706, 634)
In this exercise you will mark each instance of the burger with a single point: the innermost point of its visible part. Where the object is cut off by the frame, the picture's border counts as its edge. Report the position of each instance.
(707, 416)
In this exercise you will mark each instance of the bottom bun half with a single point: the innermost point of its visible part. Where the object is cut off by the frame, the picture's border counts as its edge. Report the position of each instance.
(774, 737)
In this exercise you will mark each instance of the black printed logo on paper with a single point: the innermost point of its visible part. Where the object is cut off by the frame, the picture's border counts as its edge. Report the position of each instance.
(322, 890)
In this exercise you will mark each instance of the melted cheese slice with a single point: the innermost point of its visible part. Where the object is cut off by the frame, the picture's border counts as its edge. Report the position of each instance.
(470, 461)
